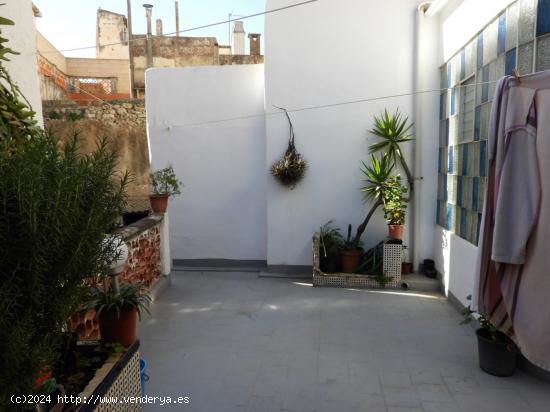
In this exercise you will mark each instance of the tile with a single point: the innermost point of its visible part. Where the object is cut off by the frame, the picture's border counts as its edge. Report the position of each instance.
(477, 123)
(527, 13)
(451, 162)
(462, 64)
(490, 40)
(433, 393)
(400, 379)
(443, 106)
(483, 158)
(475, 193)
(512, 15)
(543, 17)
(485, 85)
(479, 51)
(464, 160)
(525, 58)
(484, 123)
(401, 397)
(470, 58)
(459, 190)
(452, 105)
(510, 62)
(461, 385)
(501, 39)
(429, 406)
(443, 77)
(543, 53)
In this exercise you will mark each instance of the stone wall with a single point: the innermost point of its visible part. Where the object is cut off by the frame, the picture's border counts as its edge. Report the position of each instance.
(123, 123)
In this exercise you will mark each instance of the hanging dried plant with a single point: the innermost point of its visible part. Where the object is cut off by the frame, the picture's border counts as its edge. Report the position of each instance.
(292, 167)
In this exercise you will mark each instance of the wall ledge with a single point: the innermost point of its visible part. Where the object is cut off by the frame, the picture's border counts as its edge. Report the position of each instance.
(135, 229)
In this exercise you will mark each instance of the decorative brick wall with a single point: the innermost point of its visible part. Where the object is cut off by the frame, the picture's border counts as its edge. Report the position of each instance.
(144, 265)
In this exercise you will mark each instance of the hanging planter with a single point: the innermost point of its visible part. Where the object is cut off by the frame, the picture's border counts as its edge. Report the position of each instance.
(290, 170)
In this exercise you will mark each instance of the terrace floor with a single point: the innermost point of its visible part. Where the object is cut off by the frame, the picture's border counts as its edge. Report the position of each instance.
(236, 342)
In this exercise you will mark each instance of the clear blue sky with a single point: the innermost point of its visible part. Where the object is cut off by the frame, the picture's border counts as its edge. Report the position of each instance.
(71, 23)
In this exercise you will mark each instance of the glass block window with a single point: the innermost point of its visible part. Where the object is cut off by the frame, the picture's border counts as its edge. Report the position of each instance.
(519, 37)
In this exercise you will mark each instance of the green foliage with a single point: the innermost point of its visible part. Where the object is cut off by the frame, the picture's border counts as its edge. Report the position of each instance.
(393, 130)
(291, 169)
(54, 115)
(491, 330)
(330, 239)
(74, 116)
(394, 205)
(382, 279)
(132, 295)
(55, 208)
(352, 243)
(378, 178)
(17, 120)
(373, 259)
(165, 182)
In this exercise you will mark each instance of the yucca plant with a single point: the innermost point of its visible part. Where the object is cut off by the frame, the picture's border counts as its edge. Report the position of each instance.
(378, 177)
(393, 130)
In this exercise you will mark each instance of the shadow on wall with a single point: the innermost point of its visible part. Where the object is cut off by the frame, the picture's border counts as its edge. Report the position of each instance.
(131, 144)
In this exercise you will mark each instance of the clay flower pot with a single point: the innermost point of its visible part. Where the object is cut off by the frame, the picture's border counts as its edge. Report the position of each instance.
(159, 203)
(395, 232)
(406, 268)
(118, 327)
(350, 259)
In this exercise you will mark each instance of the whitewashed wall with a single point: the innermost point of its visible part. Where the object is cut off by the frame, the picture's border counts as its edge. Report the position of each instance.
(322, 53)
(221, 213)
(22, 39)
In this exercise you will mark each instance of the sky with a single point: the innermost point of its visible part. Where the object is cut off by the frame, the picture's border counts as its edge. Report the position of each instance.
(69, 24)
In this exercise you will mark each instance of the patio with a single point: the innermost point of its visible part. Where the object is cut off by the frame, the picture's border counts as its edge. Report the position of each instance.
(234, 342)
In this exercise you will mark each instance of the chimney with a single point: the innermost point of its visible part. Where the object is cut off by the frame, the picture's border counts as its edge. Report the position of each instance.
(237, 46)
(148, 15)
(159, 27)
(254, 44)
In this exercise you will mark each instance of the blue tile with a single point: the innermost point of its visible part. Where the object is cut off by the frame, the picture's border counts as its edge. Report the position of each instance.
(543, 17)
(451, 155)
(510, 62)
(483, 158)
(462, 64)
(480, 51)
(453, 100)
(501, 45)
(477, 124)
(463, 221)
(485, 85)
(459, 190)
(465, 160)
(475, 189)
(447, 127)
(449, 216)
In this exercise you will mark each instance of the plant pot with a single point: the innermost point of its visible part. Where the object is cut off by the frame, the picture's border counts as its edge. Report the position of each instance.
(395, 232)
(350, 259)
(495, 357)
(118, 327)
(406, 268)
(330, 263)
(159, 203)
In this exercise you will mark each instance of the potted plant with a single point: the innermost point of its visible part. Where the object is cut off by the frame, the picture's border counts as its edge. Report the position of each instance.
(118, 311)
(351, 253)
(406, 266)
(497, 352)
(394, 207)
(165, 184)
(330, 243)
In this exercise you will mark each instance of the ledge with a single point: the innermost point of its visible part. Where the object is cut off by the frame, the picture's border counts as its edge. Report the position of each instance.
(136, 228)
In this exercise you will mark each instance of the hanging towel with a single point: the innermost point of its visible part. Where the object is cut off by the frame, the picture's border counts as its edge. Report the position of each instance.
(513, 285)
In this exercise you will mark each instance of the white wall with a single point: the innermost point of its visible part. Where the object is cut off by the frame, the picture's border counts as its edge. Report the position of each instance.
(221, 213)
(326, 52)
(22, 39)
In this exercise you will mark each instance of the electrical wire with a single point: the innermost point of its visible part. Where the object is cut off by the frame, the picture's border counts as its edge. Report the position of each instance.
(250, 16)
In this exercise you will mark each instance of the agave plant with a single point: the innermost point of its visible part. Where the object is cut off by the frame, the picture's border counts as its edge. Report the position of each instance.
(393, 129)
(378, 176)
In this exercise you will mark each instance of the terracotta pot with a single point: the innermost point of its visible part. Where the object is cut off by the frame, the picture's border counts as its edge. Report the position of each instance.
(159, 203)
(406, 268)
(118, 328)
(395, 231)
(350, 259)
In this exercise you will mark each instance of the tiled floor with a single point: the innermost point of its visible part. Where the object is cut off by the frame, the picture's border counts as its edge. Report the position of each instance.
(236, 342)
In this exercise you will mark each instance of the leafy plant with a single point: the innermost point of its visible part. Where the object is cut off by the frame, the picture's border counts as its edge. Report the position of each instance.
(129, 296)
(330, 239)
(382, 279)
(394, 204)
(74, 116)
(289, 170)
(352, 243)
(378, 178)
(165, 182)
(394, 130)
(373, 259)
(54, 115)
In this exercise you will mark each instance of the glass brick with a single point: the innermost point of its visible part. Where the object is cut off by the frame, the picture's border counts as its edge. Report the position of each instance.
(459, 189)
(479, 51)
(453, 131)
(501, 39)
(512, 14)
(477, 123)
(485, 84)
(470, 54)
(527, 13)
(443, 106)
(462, 64)
(484, 124)
(443, 74)
(483, 158)
(451, 189)
(525, 58)
(450, 162)
(464, 160)
(449, 74)
(473, 159)
(450, 221)
(543, 17)
(490, 38)
(543, 53)
(510, 62)
(495, 68)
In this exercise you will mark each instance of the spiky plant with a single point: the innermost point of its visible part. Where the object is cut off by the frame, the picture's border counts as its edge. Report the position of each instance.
(289, 170)
(377, 177)
(393, 129)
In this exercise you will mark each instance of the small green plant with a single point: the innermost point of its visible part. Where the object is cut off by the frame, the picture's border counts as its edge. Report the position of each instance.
(114, 347)
(74, 116)
(484, 323)
(330, 239)
(54, 115)
(132, 295)
(165, 182)
(352, 243)
(382, 279)
(394, 204)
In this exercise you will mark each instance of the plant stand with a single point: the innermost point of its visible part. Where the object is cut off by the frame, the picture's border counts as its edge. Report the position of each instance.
(391, 268)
